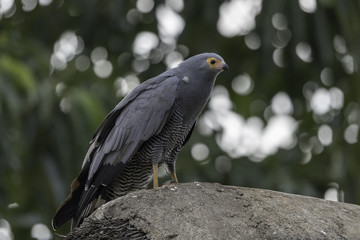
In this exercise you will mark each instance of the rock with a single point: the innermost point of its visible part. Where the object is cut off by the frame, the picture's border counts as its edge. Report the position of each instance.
(214, 211)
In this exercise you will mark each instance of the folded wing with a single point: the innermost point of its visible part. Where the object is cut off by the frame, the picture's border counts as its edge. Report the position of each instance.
(139, 116)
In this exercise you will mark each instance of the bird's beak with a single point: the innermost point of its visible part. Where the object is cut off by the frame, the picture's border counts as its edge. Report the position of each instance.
(224, 66)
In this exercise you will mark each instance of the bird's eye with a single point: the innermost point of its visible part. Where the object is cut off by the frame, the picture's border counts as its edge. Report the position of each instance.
(212, 61)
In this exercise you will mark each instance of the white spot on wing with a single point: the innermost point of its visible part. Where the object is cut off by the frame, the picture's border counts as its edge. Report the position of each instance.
(186, 79)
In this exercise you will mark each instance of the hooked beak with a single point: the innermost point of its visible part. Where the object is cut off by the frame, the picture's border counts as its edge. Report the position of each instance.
(224, 66)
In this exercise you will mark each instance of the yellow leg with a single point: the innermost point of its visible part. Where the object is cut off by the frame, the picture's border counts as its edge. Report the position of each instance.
(155, 175)
(174, 178)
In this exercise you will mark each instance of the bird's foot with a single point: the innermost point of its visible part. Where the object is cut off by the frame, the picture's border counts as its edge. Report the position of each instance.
(170, 183)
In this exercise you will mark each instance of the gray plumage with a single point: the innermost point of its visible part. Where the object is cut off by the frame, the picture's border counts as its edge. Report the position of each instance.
(148, 127)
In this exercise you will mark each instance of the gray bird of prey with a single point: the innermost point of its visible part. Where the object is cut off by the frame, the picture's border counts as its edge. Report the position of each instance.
(146, 129)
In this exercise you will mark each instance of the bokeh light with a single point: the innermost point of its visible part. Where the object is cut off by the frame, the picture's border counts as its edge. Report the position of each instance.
(351, 134)
(320, 101)
(5, 6)
(28, 5)
(5, 230)
(252, 41)
(327, 76)
(65, 105)
(223, 164)
(352, 113)
(144, 42)
(176, 5)
(237, 17)
(279, 21)
(98, 54)
(140, 65)
(60, 88)
(144, 6)
(279, 133)
(252, 138)
(41, 232)
(170, 24)
(324, 100)
(82, 63)
(339, 44)
(281, 104)
(337, 98)
(281, 38)
(134, 17)
(199, 151)
(125, 85)
(348, 64)
(303, 51)
(242, 84)
(45, 2)
(308, 6)
(325, 135)
(103, 68)
(65, 49)
(173, 59)
(331, 194)
(278, 57)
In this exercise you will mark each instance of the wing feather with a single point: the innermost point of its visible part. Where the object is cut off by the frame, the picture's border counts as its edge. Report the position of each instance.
(137, 119)
(139, 116)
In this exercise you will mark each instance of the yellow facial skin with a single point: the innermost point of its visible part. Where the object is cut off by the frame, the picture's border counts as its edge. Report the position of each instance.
(215, 63)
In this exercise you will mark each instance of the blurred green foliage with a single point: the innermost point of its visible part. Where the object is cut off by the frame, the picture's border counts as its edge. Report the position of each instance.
(42, 144)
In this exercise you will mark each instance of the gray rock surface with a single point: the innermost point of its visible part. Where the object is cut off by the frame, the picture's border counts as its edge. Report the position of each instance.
(214, 211)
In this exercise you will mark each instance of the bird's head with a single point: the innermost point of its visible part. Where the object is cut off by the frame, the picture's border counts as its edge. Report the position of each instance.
(197, 77)
(215, 62)
(208, 63)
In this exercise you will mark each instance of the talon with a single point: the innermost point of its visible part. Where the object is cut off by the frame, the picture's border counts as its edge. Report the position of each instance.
(170, 182)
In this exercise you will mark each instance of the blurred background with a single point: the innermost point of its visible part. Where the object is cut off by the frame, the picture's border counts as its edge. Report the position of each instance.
(285, 117)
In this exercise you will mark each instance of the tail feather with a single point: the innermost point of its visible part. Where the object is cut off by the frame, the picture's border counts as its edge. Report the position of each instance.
(67, 209)
(86, 205)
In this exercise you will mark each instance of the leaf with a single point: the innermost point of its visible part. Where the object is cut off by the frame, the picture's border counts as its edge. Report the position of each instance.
(19, 72)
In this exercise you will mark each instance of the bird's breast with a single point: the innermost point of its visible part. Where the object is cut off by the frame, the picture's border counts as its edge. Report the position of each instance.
(193, 98)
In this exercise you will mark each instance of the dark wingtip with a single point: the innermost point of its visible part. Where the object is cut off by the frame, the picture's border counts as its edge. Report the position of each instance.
(54, 225)
(62, 216)
(67, 209)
